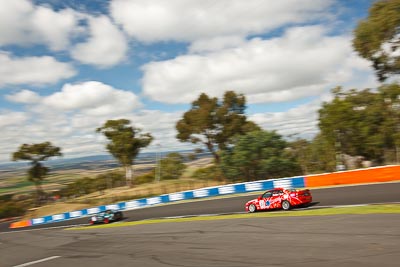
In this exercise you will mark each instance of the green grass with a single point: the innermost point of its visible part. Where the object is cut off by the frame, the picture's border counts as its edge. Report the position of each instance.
(369, 209)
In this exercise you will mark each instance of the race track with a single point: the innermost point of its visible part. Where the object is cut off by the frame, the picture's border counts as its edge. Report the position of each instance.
(335, 240)
(329, 241)
(350, 195)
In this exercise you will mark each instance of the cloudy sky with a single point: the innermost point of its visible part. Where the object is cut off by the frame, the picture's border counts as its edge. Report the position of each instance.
(67, 66)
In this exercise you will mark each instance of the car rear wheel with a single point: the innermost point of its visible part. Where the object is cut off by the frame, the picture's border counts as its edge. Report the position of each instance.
(252, 208)
(118, 216)
(285, 205)
(106, 220)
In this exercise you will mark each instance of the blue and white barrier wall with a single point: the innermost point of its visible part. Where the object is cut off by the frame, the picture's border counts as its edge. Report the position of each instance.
(294, 182)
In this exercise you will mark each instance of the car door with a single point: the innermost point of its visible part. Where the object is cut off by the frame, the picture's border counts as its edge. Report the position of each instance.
(276, 199)
(265, 201)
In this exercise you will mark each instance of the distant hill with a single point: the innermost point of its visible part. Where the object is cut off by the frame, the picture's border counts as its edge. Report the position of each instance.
(90, 162)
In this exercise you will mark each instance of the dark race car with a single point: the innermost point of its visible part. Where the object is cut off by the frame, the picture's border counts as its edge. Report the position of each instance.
(279, 198)
(106, 217)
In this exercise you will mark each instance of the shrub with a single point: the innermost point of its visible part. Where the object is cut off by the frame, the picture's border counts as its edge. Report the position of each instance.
(208, 173)
(9, 209)
(145, 178)
(172, 166)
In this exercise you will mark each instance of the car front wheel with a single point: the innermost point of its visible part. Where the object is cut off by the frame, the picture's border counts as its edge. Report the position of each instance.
(252, 208)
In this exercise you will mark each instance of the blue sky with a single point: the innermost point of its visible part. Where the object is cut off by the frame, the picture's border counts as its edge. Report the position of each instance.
(68, 66)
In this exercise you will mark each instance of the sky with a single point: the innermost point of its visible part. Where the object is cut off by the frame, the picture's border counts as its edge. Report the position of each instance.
(68, 66)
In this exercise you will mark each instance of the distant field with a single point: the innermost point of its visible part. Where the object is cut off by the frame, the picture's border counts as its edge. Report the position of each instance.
(17, 182)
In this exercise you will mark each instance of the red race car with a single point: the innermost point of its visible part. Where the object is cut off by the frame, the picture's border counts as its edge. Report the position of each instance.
(279, 198)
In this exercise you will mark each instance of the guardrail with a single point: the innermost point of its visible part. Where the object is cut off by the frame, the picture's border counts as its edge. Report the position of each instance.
(377, 174)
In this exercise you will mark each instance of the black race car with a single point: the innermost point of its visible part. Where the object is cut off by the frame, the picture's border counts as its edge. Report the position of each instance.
(106, 216)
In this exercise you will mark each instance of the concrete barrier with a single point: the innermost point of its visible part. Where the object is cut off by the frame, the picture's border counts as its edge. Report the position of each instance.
(21, 224)
(361, 176)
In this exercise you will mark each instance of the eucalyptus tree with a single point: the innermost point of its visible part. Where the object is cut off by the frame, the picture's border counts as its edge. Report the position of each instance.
(125, 143)
(363, 122)
(36, 153)
(377, 38)
(214, 123)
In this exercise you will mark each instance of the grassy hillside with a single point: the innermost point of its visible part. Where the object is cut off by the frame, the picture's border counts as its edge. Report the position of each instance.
(17, 185)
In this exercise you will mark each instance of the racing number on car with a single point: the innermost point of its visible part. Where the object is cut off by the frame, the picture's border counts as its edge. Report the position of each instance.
(262, 204)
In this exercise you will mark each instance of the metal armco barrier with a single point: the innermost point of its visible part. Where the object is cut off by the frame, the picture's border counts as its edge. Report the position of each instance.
(294, 182)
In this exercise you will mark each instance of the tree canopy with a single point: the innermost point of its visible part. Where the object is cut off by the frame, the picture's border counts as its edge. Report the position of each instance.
(258, 155)
(172, 166)
(125, 143)
(363, 123)
(215, 123)
(36, 153)
(377, 38)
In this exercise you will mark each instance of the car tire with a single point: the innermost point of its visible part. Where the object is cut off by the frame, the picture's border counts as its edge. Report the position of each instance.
(106, 220)
(252, 208)
(286, 205)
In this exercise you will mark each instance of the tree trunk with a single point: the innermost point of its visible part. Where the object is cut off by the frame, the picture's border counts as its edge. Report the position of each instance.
(213, 152)
(216, 157)
(129, 175)
(39, 193)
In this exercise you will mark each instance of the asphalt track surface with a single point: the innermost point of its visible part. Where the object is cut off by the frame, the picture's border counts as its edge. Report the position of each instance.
(331, 241)
(340, 240)
(350, 195)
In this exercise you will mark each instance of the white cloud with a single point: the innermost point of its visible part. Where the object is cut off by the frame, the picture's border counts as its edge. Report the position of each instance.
(12, 118)
(217, 43)
(106, 46)
(75, 132)
(24, 96)
(303, 62)
(23, 23)
(68, 118)
(190, 20)
(92, 98)
(161, 125)
(33, 70)
(301, 121)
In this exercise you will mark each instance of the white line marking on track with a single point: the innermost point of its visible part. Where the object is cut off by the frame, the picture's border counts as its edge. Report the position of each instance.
(38, 261)
(45, 228)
